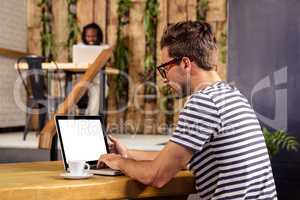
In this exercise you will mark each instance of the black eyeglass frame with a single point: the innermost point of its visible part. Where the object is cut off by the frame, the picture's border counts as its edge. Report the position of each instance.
(161, 68)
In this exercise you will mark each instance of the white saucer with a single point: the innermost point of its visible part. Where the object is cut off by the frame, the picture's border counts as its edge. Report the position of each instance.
(71, 176)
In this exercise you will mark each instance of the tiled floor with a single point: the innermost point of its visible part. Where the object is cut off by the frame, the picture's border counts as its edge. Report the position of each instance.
(15, 140)
(140, 142)
(14, 149)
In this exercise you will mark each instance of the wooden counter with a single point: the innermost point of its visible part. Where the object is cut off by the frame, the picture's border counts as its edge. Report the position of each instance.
(70, 67)
(41, 180)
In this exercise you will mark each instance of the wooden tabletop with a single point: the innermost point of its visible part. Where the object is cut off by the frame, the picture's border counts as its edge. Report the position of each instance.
(41, 180)
(72, 67)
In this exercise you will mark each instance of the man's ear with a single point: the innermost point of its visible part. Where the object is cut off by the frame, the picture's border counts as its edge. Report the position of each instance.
(187, 63)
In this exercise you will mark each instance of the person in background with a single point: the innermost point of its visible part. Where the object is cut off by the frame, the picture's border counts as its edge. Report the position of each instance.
(217, 135)
(92, 35)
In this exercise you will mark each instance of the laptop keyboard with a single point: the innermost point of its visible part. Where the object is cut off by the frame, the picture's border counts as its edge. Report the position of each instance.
(93, 167)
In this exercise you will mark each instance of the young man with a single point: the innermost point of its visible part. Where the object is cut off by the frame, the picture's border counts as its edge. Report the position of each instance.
(217, 135)
(89, 103)
(92, 34)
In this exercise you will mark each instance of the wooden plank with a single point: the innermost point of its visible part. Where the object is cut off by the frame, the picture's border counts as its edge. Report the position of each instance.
(135, 112)
(192, 12)
(84, 13)
(60, 37)
(111, 40)
(216, 10)
(161, 25)
(100, 15)
(177, 11)
(33, 14)
(222, 67)
(41, 180)
(33, 27)
(33, 38)
(217, 18)
(59, 28)
(112, 22)
(121, 114)
(34, 41)
(77, 92)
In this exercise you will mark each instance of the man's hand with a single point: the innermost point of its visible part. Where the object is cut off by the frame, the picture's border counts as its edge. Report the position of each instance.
(116, 147)
(112, 160)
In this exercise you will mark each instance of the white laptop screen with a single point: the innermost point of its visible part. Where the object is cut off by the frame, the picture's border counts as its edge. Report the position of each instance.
(82, 139)
(86, 54)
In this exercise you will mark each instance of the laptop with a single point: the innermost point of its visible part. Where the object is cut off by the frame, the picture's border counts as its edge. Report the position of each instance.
(87, 54)
(83, 138)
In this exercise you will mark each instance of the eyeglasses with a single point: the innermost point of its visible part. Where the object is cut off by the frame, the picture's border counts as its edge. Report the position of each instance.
(162, 68)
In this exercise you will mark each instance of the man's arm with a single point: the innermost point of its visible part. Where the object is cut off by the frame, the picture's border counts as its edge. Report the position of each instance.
(142, 155)
(155, 172)
(119, 148)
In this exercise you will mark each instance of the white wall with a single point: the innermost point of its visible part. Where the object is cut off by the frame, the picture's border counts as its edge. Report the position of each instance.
(13, 36)
(10, 113)
(13, 29)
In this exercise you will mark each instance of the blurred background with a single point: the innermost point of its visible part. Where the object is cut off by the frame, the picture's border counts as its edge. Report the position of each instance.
(259, 52)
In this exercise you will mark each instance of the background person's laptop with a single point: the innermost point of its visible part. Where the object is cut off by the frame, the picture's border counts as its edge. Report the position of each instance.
(87, 54)
(83, 138)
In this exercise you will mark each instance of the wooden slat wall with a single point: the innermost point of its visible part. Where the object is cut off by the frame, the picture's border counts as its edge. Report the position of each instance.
(112, 20)
(60, 19)
(100, 15)
(135, 114)
(191, 11)
(181, 8)
(217, 17)
(104, 13)
(162, 23)
(33, 27)
(85, 12)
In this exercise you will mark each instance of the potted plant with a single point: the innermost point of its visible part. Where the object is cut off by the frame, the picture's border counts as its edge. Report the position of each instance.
(279, 140)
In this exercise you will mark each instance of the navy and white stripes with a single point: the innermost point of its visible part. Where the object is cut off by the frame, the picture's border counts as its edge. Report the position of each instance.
(230, 158)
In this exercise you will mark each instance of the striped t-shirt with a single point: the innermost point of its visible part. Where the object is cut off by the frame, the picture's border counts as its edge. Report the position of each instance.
(230, 159)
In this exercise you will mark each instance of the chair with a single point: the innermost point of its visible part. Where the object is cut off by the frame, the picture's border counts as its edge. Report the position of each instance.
(37, 95)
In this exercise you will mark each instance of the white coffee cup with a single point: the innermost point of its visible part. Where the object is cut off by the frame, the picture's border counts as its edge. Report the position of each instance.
(78, 167)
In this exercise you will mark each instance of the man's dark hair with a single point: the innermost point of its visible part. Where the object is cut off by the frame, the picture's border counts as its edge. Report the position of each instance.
(98, 30)
(192, 39)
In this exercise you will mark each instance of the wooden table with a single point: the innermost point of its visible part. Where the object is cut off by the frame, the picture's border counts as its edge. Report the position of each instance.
(68, 67)
(41, 180)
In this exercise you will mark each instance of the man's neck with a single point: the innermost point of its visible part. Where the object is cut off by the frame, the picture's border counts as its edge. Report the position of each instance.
(202, 80)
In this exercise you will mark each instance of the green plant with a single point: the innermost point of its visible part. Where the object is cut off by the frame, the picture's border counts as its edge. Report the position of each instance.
(150, 25)
(72, 26)
(223, 45)
(121, 53)
(279, 140)
(202, 8)
(47, 40)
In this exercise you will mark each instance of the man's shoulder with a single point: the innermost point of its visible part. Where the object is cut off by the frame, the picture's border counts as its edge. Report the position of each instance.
(216, 95)
(200, 97)
(200, 101)
(219, 91)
